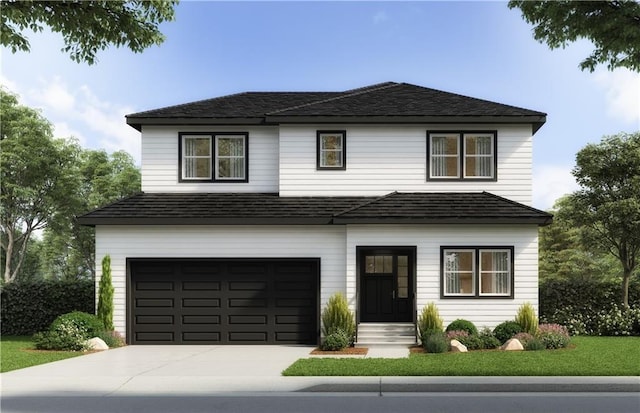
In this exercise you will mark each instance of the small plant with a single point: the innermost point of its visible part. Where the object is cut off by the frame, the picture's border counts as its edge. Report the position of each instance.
(105, 295)
(456, 334)
(112, 339)
(534, 344)
(505, 330)
(429, 320)
(524, 338)
(66, 336)
(527, 318)
(335, 341)
(472, 342)
(465, 325)
(337, 317)
(436, 343)
(87, 322)
(489, 341)
(553, 336)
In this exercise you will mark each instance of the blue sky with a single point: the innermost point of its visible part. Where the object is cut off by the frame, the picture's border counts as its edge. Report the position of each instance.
(480, 49)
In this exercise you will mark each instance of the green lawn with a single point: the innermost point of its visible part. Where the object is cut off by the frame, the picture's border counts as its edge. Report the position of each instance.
(17, 352)
(588, 356)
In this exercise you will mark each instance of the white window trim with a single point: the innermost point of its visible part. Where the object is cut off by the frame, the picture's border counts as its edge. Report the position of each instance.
(471, 293)
(461, 156)
(491, 156)
(478, 271)
(185, 157)
(444, 156)
(494, 273)
(218, 157)
(342, 158)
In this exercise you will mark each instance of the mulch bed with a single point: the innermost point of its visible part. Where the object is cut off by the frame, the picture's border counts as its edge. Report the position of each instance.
(349, 351)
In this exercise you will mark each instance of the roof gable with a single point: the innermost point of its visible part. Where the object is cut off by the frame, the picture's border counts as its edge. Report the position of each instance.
(387, 102)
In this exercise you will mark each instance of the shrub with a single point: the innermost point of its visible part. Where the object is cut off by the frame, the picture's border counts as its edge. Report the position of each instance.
(112, 338)
(527, 318)
(456, 334)
(105, 295)
(489, 341)
(524, 338)
(617, 322)
(29, 307)
(337, 317)
(505, 330)
(472, 342)
(429, 320)
(66, 336)
(464, 325)
(553, 336)
(436, 343)
(89, 323)
(534, 345)
(336, 341)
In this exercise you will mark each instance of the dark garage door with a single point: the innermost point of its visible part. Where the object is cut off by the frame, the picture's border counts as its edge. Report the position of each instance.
(248, 301)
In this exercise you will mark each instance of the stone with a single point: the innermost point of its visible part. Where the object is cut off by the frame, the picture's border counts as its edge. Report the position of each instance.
(457, 347)
(96, 343)
(512, 345)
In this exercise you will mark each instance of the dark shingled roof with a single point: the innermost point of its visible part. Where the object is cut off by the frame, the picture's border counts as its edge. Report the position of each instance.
(265, 209)
(385, 102)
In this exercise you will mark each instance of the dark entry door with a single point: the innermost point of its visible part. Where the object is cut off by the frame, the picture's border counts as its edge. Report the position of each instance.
(386, 284)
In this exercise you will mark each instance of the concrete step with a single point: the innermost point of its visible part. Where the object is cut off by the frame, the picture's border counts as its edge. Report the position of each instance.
(386, 334)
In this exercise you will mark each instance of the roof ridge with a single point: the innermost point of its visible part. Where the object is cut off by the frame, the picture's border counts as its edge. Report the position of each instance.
(369, 202)
(346, 94)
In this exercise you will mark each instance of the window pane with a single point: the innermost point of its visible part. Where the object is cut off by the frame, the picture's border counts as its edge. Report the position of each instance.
(478, 145)
(197, 146)
(231, 146)
(331, 158)
(197, 168)
(444, 145)
(231, 168)
(458, 268)
(495, 271)
(370, 265)
(478, 156)
(331, 142)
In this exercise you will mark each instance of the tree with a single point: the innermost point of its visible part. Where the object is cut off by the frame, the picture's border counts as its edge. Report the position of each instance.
(87, 26)
(612, 26)
(608, 202)
(105, 295)
(36, 176)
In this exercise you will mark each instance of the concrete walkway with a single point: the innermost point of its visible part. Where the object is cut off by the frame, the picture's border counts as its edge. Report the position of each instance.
(207, 370)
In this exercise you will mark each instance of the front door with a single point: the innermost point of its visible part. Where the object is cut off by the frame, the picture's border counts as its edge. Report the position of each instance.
(386, 284)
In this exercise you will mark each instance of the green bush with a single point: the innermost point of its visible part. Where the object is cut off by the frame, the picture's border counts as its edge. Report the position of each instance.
(505, 330)
(337, 317)
(472, 342)
(105, 295)
(524, 338)
(112, 339)
(429, 320)
(527, 318)
(29, 307)
(464, 325)
(67, 337)
(89, 323)
(337, 340)
(553, 336)
(534, 345)
(436, 343)
(489, 341)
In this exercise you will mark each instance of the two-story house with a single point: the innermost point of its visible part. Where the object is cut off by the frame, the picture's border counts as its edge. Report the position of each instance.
(257, 207)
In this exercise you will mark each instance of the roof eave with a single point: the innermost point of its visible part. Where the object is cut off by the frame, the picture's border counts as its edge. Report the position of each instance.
(540, 221)
(138, 122)
(127, 221)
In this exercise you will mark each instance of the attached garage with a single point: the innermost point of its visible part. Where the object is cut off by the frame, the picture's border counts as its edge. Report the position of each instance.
(223, 301)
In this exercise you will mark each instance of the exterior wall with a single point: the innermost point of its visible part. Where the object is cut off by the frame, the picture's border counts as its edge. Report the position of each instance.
(160, 160)
(428, 239)
(122, 242)
(387, 158)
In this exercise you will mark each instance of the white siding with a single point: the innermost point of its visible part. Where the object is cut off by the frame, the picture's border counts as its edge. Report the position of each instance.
(387, 158)
(428, 239)
(122, 242)
(160, 160)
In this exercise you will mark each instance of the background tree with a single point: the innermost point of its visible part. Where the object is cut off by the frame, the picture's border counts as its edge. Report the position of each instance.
(36, 176)
(612, 26)
(87, 26)
(608, 203)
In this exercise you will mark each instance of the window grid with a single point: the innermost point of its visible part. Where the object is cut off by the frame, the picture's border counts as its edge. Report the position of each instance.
(461, 155)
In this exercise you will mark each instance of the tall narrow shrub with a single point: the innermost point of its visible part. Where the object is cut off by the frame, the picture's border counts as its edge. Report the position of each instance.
(527, 318)
(105, 295)
(337, 317)
(429, 320)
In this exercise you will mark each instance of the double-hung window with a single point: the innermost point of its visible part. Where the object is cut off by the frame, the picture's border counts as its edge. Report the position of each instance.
(331, 150)
(476, 272)
(214, 157)
(461, 155)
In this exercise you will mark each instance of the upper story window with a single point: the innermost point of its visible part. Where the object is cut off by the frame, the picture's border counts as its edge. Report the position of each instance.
(214, 157)
(331, 150)
(477, 272)
(462, 155)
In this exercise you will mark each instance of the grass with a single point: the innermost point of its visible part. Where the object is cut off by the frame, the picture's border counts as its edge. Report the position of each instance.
(588, 356)
(17, 352)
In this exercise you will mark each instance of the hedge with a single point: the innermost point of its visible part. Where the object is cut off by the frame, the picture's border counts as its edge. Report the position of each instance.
(588, 295)
(30, 307)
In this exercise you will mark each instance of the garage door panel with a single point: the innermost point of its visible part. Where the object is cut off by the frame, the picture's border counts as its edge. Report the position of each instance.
(212, 301)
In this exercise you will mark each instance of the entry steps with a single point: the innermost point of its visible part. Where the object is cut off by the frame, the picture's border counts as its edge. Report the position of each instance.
(381, 334)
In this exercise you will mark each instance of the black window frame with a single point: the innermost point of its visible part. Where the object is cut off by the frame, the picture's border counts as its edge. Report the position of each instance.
(461, 156)
(214, 156)
(476, 273)
(319, 134)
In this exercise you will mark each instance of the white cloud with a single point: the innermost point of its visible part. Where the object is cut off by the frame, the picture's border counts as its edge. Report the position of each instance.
(380, 17)
(8, 84)
(622, 89)
(79, 112)
(550, 182)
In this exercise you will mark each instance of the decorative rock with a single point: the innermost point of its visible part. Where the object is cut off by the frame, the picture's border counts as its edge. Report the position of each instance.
(458, 347)
(512, 345)
(96, 343)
